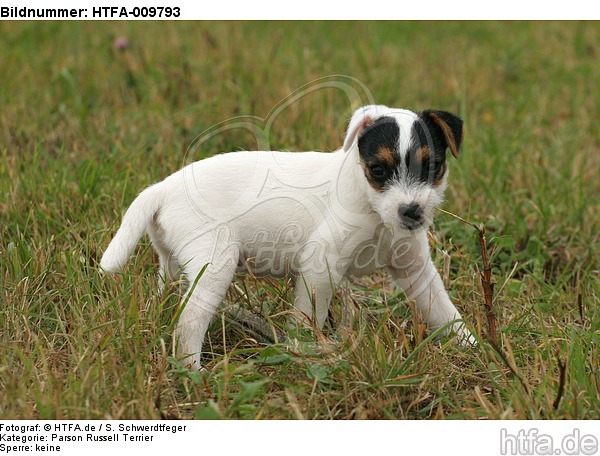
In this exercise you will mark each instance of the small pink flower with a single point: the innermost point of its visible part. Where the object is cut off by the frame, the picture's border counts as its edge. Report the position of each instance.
(120, 43)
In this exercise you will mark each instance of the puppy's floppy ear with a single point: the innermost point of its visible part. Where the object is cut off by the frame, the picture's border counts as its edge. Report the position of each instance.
(361, 119)
(450, 125)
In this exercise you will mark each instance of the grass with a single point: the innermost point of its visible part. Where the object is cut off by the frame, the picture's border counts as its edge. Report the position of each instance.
(84, 127)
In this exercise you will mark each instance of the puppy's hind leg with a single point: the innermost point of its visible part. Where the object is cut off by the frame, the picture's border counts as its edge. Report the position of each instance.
(169, 270)
(169, 267)
(206, 291)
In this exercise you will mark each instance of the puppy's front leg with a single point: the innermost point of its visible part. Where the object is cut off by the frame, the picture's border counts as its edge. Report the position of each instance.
(415, 273)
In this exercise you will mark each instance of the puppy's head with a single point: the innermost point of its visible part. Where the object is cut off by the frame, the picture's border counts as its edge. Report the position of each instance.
(402, 155)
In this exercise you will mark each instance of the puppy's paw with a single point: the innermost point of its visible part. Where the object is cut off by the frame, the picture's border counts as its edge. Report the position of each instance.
(193, 363)
(464, 338)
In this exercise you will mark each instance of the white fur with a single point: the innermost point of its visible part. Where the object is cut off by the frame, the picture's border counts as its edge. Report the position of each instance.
(310, 214)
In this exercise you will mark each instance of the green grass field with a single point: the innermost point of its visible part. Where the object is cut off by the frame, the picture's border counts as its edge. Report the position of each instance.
(84, 127)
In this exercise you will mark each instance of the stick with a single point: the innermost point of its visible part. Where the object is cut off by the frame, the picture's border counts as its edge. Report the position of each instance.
(255, 324)
(562, 368)
(486, 279)
(488, 286)
(488, 296)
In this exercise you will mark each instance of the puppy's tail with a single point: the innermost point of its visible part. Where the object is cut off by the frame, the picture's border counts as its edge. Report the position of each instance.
(135, 221)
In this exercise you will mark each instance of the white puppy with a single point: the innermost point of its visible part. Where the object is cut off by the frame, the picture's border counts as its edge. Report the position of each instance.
(320, 217)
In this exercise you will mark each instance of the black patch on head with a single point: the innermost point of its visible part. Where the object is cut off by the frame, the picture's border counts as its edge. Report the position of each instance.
(426, 155)
(378, 148)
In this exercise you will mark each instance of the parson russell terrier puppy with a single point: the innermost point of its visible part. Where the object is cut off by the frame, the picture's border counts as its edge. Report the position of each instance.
(320, 217)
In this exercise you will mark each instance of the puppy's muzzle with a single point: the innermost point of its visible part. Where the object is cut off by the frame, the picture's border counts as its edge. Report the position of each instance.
(411, 215)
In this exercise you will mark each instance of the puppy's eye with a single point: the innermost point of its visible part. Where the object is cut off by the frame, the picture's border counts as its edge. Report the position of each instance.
(377, 171)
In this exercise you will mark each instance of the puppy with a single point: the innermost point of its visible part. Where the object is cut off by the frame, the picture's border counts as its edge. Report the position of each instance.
(320, 217)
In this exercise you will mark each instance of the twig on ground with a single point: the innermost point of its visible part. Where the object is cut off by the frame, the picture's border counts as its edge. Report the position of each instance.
(488, 286)
(562, 368)
(255, 324)
(486, 278)
(488, 296)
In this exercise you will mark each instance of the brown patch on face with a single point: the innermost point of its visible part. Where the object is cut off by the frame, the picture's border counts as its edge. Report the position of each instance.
(439, 177)
(386, 156)
(422, 155)
(450, 139)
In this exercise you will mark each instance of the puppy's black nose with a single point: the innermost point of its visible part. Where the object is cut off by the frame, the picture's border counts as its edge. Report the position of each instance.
(411, 215)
